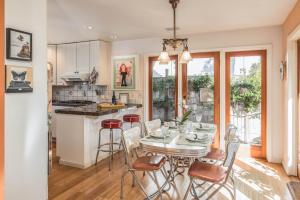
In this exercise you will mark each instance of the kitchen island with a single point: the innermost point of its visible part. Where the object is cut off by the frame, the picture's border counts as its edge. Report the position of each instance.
(77, 130)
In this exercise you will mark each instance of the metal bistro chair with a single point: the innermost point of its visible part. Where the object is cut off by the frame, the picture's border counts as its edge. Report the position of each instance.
(213, 174)
(217, 154)
(150, 164)
(152, 125)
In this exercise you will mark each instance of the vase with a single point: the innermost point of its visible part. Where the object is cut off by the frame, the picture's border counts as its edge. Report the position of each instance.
(182, 128)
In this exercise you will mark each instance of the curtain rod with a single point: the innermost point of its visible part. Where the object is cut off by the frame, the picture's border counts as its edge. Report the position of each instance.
(76, 42)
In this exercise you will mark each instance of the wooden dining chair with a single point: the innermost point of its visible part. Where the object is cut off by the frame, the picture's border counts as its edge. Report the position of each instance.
(213, 175)
(216, 154)
(152, 125)
(149, 164)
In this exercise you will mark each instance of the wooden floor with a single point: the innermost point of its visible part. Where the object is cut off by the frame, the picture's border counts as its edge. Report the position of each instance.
(255, 180)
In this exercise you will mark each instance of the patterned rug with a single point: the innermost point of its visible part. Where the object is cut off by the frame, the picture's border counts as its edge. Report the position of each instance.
(294, 188)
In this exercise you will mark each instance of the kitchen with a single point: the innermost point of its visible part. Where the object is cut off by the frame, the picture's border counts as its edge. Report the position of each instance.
(78, 85)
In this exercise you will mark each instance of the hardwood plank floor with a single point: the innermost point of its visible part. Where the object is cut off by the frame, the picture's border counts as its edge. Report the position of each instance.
(255, 180)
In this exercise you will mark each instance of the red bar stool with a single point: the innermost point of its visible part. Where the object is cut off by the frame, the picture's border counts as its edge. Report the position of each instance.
(110, 124)
(133, 118)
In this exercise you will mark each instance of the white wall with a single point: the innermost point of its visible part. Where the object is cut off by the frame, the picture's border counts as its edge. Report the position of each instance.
(269, 38)
(26, 114)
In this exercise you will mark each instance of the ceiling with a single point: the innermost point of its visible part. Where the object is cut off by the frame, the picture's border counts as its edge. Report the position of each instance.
(69, 20)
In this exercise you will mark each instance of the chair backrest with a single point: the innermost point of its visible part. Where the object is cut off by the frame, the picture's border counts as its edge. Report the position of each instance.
(152, 125)
(231, 151)
(230, 133)
(131, 139)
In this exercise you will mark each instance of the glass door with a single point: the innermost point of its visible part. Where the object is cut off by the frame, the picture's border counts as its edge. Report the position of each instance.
(163, 84)
(246, 98)
(201, 88)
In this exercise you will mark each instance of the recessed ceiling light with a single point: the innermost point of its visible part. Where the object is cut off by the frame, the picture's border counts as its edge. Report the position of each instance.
(90, 27)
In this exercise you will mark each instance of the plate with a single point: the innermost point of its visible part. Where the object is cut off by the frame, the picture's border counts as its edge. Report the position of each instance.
(197, 137)
(158, 134)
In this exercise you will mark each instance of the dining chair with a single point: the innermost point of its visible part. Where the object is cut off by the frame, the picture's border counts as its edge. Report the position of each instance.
(149, 164)
(152, 125)
(213, 175)
(216, 154)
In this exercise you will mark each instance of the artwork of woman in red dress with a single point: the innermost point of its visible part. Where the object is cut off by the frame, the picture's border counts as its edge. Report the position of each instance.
(123, 72)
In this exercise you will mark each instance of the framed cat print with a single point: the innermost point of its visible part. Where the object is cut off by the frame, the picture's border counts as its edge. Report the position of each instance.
(18, 45)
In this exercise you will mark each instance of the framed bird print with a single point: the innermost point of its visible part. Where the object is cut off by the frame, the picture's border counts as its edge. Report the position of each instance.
(18, 45)
(18, 79)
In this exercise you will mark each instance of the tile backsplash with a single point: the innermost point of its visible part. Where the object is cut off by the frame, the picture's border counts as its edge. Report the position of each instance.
(78, 92)
(95, 93)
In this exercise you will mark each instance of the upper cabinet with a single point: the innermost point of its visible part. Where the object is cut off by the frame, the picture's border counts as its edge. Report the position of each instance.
(79, 58)
(83, 57)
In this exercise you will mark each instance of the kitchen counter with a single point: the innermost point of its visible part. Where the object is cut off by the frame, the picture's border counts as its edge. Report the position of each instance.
(77, 132)
(92, 110)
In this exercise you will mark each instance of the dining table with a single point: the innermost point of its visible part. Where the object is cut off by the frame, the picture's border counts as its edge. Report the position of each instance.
(179, 145)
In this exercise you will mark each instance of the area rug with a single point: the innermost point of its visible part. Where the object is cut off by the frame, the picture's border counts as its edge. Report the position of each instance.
(294, 188)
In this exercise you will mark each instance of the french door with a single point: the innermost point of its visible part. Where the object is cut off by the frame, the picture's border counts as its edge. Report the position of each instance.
(246, 89)
(163, 89)
(201, 89)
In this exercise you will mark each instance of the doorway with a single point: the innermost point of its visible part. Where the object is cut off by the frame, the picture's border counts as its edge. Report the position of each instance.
(201, 89)
(163, 92)
(246, 89)
(2, 77)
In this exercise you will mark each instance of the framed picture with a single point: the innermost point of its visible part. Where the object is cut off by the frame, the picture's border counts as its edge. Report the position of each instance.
(124, 98)
(18, 79)
(18, 45)
(124, 72)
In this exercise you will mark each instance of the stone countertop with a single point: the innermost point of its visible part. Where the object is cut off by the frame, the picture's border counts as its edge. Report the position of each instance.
(93, 110)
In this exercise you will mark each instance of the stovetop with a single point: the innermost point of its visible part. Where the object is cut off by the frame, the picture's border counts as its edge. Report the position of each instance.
(72, 103)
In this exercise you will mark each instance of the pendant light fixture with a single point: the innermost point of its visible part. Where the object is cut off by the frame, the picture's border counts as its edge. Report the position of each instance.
(175, 42)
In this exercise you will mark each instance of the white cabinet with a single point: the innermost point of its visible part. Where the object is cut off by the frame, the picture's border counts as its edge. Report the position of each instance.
(95, 56)
(81, 58)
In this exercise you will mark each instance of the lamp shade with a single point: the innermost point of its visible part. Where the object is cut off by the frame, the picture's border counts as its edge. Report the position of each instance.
(164, 58)
(185, 57)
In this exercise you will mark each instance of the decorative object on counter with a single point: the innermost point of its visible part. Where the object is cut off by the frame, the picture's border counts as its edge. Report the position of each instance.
(18, 79)
(114, 99)
(124, 97)
(124, 72)
(93, 76)
(283, 70)
(18, 45)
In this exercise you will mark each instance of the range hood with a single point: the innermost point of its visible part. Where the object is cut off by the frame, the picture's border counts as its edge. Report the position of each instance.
(76, 77)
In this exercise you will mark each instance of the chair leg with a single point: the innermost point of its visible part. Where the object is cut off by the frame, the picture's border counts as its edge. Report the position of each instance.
(122, 185)
(157, 184)
(140, 185)
(99, 144)
(188, 189)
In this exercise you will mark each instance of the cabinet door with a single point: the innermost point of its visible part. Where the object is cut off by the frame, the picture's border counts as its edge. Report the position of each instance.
(61, 62)
(95, 55)
(83, 57)
(71, 59)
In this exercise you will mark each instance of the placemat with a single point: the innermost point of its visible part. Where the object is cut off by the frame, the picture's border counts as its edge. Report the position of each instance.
(182, 141)
(167, 140)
